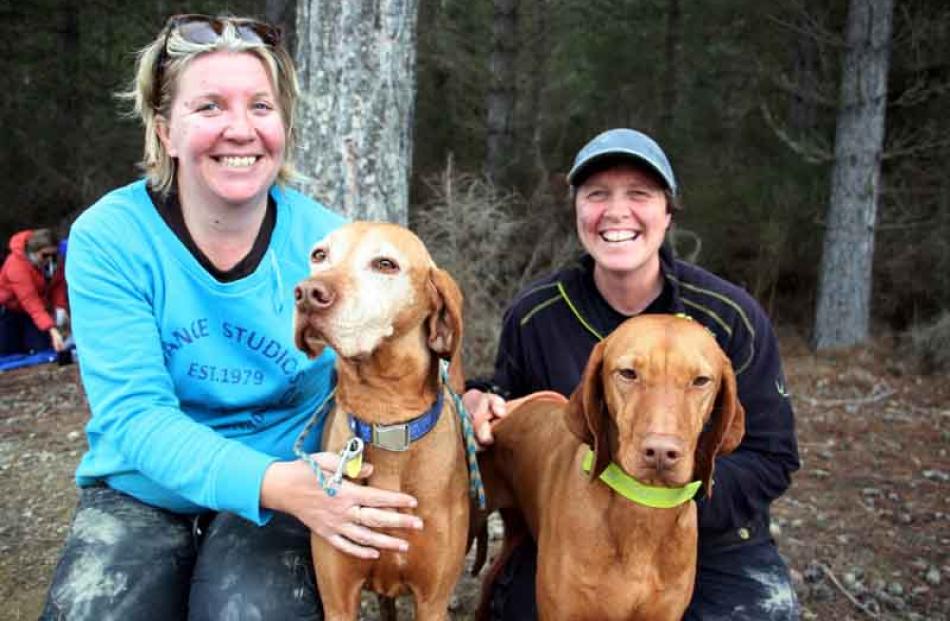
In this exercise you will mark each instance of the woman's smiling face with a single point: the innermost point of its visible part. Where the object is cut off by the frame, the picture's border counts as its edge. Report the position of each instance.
(225, 130)
(622, 218)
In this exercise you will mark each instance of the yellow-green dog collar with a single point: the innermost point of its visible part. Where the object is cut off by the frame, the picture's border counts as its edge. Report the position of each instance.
(640, 493)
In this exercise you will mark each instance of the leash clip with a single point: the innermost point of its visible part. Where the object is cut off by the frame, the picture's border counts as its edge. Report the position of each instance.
(351, 460)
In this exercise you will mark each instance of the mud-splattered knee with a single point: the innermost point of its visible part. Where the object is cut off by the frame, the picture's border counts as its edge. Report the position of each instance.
(120, 557)
(251, 572)
(777, 600)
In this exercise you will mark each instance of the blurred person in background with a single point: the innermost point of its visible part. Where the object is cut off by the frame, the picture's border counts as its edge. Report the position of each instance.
(32, 295)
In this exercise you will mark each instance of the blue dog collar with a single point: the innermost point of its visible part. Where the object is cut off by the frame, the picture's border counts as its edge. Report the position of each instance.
(400, 436)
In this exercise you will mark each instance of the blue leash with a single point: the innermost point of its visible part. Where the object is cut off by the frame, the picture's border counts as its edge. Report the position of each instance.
(328, 485)
(476, 488)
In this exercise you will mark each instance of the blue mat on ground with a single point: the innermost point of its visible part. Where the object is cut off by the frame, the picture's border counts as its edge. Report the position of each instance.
(15, 361)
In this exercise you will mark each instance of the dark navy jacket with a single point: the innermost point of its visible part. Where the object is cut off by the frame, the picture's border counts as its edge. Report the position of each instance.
(552, 326)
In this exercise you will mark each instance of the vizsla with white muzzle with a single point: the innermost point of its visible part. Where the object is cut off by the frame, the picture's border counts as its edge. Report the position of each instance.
(376, 297)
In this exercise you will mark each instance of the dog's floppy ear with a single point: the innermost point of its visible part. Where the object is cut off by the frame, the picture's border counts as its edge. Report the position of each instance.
(725, 429)
(445, 324)
(586, 411)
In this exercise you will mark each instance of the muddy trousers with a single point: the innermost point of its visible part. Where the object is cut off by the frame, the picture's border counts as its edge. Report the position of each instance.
(124, 559)
(743, 583)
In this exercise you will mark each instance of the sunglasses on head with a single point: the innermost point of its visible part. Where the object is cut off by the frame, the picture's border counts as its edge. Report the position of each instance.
(202, 30)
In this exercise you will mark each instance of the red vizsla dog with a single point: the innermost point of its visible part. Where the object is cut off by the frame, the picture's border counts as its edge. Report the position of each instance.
(376, 297)
(656, 404)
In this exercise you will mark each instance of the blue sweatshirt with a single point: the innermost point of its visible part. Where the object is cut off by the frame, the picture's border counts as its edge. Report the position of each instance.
(195, 385)
(552, 326)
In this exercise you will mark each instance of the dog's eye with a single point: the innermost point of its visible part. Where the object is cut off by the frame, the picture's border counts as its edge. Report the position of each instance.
(384, 265)
(319, 255)
(627, 374)
(701, 381)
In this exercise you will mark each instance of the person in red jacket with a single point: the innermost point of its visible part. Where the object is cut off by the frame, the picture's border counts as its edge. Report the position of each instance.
(32, 294)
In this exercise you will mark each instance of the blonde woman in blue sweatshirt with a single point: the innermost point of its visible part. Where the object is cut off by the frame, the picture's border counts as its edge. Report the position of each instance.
(192, 504)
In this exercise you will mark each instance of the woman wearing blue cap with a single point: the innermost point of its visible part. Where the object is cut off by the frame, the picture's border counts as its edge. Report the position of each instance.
(624, 195)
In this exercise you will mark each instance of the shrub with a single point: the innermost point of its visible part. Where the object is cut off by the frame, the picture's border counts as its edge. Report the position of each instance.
(472, 231)
(929, 344)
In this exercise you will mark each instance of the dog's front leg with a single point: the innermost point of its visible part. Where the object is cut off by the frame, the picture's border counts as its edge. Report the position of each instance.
(339, 583)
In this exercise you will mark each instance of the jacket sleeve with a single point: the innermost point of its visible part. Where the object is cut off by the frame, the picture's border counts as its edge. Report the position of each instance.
(509, 378)
(27, 294)
(760, 469)
(131, 395)
(57, 292)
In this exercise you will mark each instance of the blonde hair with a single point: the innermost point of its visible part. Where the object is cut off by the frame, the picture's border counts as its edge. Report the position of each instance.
(158, 165)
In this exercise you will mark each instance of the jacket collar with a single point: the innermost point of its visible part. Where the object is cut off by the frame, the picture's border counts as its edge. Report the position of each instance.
(577, 286)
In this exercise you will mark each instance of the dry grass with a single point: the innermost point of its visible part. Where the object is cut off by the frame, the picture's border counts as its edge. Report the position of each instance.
(493, 243)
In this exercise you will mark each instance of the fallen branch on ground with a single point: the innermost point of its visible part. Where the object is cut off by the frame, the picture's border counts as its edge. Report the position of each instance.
(878, 394)
(851, 598)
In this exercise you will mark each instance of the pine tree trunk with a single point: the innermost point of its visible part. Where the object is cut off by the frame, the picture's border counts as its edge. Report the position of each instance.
(540, 56)
(356, 62)
(671, 79)
(501, 94)
(844, 288)
(803, 111)
(72, 109)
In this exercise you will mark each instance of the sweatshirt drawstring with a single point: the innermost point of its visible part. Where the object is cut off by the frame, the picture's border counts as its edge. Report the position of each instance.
(278, 297)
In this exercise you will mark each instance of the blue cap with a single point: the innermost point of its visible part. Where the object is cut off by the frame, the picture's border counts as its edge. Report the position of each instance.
(628, 142)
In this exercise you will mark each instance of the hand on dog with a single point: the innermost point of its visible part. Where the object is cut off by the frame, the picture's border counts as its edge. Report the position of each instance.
(347, 519)
(485, 408)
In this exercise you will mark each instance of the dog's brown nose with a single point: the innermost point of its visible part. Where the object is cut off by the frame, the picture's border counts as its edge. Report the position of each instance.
(313, 295)
(661, 452)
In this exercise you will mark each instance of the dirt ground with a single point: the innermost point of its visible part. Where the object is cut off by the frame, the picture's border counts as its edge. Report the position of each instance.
(865, 527)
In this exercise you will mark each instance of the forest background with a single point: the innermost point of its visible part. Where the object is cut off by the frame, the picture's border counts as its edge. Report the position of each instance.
(745, 96)
(742, 94)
